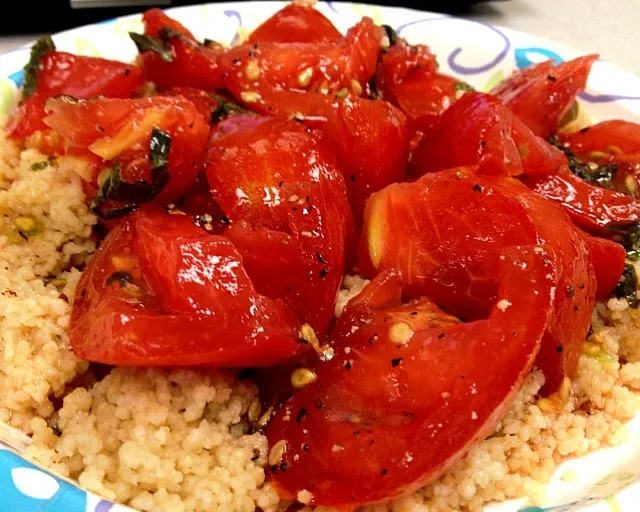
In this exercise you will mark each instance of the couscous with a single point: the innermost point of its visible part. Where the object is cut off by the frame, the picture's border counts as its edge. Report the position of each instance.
(103, 405)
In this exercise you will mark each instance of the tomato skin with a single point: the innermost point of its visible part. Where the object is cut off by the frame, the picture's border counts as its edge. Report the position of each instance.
(80, 77)
(353, 440)
(470, 217)
(372, 143)
(295, 23)
(608, 259)
(120, 129)
(286, 199)
(478, 129)
(155, 19)
(541, 94)
(280, 73)
(193, 65)
(591, 207)
(188, 301)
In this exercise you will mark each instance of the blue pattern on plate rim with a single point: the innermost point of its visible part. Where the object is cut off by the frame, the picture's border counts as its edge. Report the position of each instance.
(68, 498)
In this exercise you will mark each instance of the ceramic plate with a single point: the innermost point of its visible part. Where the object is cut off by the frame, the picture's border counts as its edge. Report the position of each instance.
(481, 54)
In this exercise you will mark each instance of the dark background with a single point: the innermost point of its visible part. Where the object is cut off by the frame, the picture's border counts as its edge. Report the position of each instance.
(26, 16)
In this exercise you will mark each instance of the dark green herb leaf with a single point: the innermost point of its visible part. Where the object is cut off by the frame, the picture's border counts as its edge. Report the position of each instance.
(39, 49)
(38, 166)
(602, 175)
(628, 235)
(626, 288)
(167, 33)
(463, 86)
(225, 108)
(391, 34)
(146, 43)
(159, 146)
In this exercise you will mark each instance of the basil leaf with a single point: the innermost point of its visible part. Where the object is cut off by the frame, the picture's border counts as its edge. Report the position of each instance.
(391, 34)
(627, 287)
(39, 49)
(146, 43)
(225, 108)
(463, 86)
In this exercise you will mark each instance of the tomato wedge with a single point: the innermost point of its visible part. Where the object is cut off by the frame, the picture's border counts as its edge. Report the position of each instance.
(80, 77)
(478, 129)
(605, 142)
(443, 233)
(161, 291)
(541, 94)
(295, 23)
(119, 132)
(261, 74)
(372, 142)
(591, 207)
(440, 387)
(290, 219)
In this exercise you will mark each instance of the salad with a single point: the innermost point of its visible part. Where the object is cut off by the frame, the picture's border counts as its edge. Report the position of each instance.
(232, 189)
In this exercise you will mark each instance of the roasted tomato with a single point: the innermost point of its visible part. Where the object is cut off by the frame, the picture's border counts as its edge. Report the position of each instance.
(605, 142)
(607, 258)
(478, 129)
(295, 23)
(155, 20)
(372, 142)
(161, 291)
(443, 233)
(267, 77)
(57, 73)
(541, 94)
(204, 101)
(407, 77)
(591, 207)
(119, 132)
(290, 218)
(440, 386)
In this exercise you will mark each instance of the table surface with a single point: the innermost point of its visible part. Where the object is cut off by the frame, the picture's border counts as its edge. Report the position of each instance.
(591, 25)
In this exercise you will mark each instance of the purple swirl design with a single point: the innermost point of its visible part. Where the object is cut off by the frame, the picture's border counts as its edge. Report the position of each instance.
(103, 506)
(451, 59)
(331, 6)
(605, 98)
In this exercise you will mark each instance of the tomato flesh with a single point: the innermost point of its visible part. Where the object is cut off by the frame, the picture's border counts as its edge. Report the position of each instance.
(442, 233)
(351, 439)
(160, 291)
(541, 94)
(290, 219)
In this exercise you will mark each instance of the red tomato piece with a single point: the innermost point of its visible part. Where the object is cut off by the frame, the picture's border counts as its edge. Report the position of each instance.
(120, 130)
(80, 77)
(161, 291)
(191, 65)
(478, 129)
(591, 207)
(541, 94)
(290, 218)
(203, 100)
(444, 232)
(155, 20)
(351, 440)
(608, 258)
(257, 74)
(295, 23)
(372, 143)
(605, 142)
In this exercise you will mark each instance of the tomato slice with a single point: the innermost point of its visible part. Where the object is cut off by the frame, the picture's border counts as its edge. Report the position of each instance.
(372, 142)
(295, 23)
(259, 74)
(348, 439)
(155, 20)
(80, 77)
(290, 219)
(478, 129)
(541, 94)
(161, 291)
(443, 233)
(591, 207)
(119, 130)
(605, 142)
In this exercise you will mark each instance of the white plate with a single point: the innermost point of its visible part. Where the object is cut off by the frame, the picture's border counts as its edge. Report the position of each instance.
(479, 53)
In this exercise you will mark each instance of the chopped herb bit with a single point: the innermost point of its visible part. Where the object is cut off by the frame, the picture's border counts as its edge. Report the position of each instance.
(167, 33)
(38, 166)
(628, 236)
(225, 108)
(463, 86)
(391, 34)
(39, 49)
(121, 277)
(146, 43)
(58, 282)
(627, 286)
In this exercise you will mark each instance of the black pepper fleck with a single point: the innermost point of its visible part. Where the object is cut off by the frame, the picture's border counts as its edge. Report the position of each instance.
(477, 188)
(323, 273)
(301, 414)
(319, 404)
(305, 447)
(352, 177)
(347, 365)
(383, 472)
(396, 362)
(551, 78)
(559, 348)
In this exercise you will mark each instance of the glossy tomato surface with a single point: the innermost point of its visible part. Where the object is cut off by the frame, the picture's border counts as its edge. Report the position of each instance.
(286, 199)
(349, 439)
(161, 291)
(444, 232)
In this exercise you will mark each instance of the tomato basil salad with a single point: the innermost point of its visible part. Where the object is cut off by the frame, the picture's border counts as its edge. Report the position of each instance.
(236, 186)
